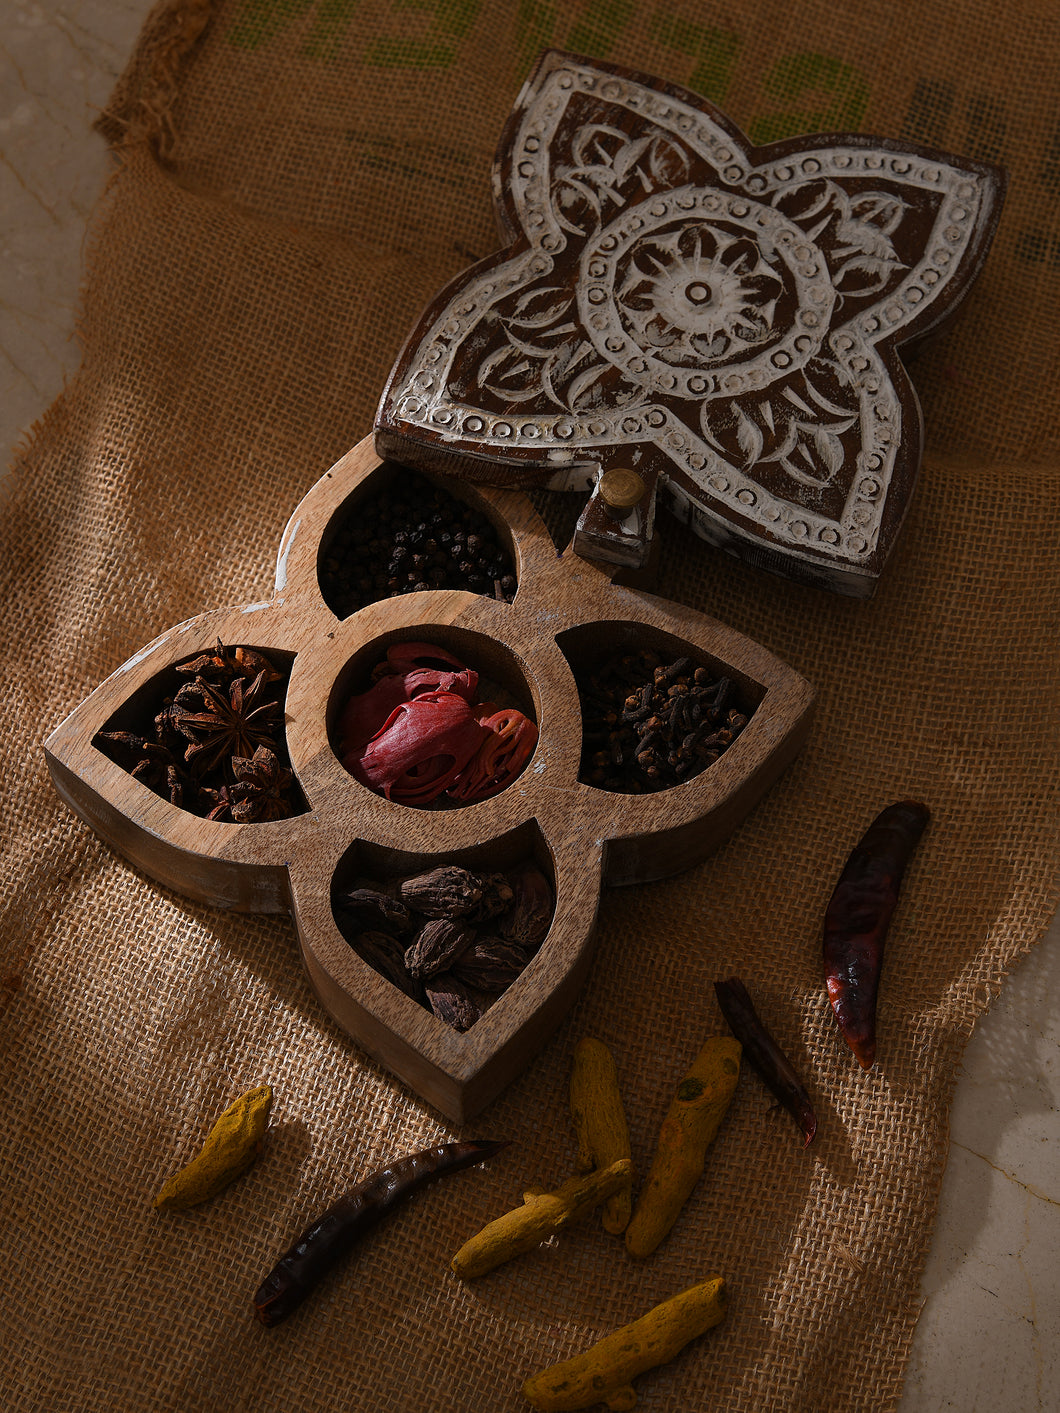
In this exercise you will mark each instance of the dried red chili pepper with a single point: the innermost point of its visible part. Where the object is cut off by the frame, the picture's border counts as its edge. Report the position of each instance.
(858, 916)
(764, 1054)
(332, 1236)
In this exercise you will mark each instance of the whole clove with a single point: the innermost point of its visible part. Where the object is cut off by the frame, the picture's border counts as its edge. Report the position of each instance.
(649, 724)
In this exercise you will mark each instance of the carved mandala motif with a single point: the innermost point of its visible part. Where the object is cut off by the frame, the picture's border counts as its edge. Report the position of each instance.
(722, 319)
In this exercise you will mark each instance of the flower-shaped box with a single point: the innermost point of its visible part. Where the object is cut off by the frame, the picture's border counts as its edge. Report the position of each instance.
(565, 612)
(723, 319)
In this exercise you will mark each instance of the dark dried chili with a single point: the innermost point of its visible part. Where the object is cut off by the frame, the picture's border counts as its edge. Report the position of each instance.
(329, 1239)
(858, 916)
(765, 1055)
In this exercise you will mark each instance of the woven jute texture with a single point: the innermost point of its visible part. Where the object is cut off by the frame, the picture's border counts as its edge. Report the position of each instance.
(294, 180)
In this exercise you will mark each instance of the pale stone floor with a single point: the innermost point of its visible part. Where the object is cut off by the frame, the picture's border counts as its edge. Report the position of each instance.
(989, 1334)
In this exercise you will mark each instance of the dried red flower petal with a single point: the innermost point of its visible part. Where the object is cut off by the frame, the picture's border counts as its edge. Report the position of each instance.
(501, 756)
(410, 671)
(422, 748)
(414, 734)
(410, 659)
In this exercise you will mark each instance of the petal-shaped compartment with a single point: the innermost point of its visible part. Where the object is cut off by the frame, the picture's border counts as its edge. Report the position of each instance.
(660, 831)
(457, 1070)
(655, 711)
(310, 565)
(401, 532)
(208, 735)
(219, 860)
(442, 719)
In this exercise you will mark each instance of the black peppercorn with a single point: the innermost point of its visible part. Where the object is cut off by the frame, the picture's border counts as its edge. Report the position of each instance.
(409, 536)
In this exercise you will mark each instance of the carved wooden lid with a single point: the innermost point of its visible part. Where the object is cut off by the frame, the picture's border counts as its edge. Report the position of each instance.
(722, 320)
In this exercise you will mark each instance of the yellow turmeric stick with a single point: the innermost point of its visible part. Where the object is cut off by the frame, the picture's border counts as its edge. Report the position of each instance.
(600, 1123)
(541, 1216)
(231, 1146)
(687, 1132)
(603, 1373)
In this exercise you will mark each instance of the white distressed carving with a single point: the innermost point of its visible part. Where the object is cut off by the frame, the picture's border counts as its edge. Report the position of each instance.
(731, 322)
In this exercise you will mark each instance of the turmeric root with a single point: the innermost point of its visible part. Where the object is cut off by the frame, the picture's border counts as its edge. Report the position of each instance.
(541, 1215)
(603, 1373)
(686, 1133)
(231, 1146)
(600, 1123)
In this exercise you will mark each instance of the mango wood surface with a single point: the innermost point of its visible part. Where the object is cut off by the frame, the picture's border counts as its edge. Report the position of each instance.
(566, 610)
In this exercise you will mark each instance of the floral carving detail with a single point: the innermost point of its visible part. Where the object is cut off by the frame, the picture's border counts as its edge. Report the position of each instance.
(862, 257)
(604, 171)
(693, 294)
(717, 314)
(801, 428)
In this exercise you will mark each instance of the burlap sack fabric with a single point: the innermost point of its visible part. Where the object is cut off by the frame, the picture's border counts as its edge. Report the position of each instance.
(296, 180)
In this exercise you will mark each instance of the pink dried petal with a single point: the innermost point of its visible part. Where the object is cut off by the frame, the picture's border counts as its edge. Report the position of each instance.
(424, 667)
(421, 749)
(403, 657)
(365, 714)
(501, 756)
(410, 670)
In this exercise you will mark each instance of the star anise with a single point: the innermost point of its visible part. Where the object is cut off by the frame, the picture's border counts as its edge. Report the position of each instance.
(142, 758)
(223, 664)
(153, 765)
(232, 722)
(258, 792)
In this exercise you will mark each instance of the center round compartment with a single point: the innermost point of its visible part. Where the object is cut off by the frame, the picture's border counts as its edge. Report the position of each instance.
(400, 732)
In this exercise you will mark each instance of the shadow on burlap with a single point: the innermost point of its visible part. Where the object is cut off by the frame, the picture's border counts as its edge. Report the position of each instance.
(294, 182)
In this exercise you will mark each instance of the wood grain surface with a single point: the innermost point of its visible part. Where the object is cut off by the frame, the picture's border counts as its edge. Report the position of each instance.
(567, 611)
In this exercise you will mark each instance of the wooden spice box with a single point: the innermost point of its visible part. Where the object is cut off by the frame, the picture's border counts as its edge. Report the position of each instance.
(712, 323)
(566, 611)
